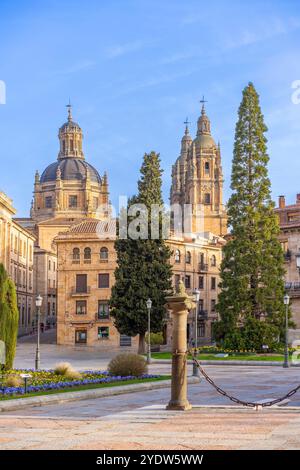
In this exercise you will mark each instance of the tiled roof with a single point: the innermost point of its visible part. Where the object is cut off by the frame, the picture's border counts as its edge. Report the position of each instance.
(94, 226)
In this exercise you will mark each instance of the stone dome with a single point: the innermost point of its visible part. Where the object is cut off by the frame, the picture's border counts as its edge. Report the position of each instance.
(70, 169)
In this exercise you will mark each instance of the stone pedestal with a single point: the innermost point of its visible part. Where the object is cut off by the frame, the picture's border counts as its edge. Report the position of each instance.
(179, 304)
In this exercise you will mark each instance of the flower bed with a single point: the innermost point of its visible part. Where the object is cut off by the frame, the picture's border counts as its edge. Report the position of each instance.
(47, 380)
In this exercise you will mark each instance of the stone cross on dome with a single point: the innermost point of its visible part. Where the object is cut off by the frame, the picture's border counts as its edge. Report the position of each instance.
(69, 106)
(203, 101)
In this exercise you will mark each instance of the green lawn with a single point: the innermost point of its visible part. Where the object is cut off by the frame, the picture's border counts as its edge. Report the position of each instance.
(233, 357)
(88, 387)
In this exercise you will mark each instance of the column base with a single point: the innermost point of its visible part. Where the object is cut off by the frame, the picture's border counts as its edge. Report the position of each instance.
(179, 406)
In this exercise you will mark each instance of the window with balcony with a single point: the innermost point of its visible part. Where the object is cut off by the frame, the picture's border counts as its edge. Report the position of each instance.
(103, 281)
(103, 310)
(103, 332)
(201, 282)
(103, 254)
(80, 307)
(187, 282)
(213, 306)
(188, 257)
(81, 283)
(201, 329)
(176, 281)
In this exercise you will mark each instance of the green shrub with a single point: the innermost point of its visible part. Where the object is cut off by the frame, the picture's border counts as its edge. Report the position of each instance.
(156, 339)
(127, 364)
(9, 316)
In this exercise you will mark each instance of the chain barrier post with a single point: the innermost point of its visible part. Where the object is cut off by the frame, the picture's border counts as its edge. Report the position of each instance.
(179, 304)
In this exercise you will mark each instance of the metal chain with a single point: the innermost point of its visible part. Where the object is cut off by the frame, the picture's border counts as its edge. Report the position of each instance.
(237, 400)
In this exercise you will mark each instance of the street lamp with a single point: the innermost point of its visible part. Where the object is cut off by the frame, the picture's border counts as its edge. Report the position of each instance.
(38, 303)
(149, 305)
(196, 293)
(286, 301)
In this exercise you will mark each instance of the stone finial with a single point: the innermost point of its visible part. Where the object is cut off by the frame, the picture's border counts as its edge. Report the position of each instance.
(58, 173)
(37, 177)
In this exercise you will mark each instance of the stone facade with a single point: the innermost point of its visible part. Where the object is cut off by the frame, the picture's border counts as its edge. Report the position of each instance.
(86, 265)
(16, 254)
(289, 220)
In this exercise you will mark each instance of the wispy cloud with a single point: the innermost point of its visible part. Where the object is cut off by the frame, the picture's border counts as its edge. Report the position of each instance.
(262, 32)
(119, 50)
(156, 81)
(77, 67)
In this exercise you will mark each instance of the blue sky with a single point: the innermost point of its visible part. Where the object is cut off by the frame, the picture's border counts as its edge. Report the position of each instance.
(134, 69)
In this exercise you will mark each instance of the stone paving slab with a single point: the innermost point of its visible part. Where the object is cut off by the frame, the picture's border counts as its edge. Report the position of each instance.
(197, 429)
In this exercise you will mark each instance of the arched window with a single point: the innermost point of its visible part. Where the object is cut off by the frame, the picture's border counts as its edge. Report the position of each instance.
(188, 257)
(177, 256)
(87, 253)
(103, 254)
(213, 260)
(76, 254)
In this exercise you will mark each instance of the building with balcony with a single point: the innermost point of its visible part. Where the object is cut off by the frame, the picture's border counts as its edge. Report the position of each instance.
(16, 254)
(289, 221)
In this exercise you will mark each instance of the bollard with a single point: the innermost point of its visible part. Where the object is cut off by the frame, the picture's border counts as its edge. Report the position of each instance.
(179, 304)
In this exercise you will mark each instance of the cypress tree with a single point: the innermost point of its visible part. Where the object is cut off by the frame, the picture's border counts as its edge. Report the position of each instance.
(252, 286)
(9, 316)
(143, 265)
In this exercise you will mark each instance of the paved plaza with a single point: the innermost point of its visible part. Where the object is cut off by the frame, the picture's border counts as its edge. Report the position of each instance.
(139, 420)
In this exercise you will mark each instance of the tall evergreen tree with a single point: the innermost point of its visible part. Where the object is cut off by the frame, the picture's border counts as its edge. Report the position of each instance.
(252, 268)
(143, 265)
(9, 316)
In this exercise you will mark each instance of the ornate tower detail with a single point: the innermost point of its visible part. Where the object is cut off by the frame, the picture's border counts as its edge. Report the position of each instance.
(70, 138)
(70, 187)
(201, 179)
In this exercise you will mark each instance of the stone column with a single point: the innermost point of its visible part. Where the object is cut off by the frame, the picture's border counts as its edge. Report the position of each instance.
(179, 304)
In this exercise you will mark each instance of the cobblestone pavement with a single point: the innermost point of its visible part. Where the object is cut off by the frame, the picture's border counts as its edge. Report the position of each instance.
(139, 420)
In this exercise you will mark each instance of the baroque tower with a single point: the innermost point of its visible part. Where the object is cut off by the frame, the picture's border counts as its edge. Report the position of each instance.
(197, 180)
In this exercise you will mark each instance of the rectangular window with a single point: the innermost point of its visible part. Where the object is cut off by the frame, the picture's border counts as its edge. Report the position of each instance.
(103, 281)
(176, 281)
(48, 202)
(206, 166)
(80, 336)
(81, 283)
(201, 282)
(125, 340)
(207, 198)
(213, 305)
(103, 309)
(72, 201)
(103, 332)
(80, 307)
(201, 329)
(213, 283)
(187, 282)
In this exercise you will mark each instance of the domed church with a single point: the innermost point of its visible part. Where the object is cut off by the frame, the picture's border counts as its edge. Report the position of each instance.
(70, 187)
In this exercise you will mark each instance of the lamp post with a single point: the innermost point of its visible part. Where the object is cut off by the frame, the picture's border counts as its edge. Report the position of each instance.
(38, 303)
(196, 294)
(286, 301)
(149, 305)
